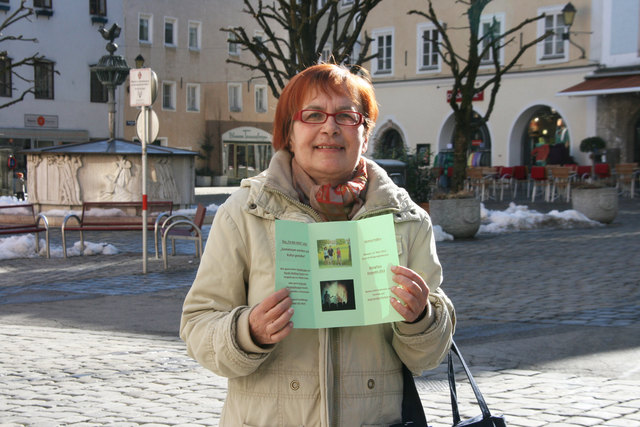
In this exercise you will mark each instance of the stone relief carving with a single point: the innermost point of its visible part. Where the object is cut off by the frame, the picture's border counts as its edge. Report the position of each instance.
(68, 186)
(164, 185)
(119, 184)
(32, 189)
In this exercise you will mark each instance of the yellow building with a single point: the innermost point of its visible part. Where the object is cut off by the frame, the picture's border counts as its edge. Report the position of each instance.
(202, 98)
(602, 51)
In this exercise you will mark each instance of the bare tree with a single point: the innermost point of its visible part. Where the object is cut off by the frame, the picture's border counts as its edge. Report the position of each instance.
(9, 68)
(464, 68)
(296, 32)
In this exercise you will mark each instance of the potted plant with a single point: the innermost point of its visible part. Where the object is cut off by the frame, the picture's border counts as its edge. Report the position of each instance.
(203, 174)
(420, 180)
(457, 213)
(593, 145)
(597, 201)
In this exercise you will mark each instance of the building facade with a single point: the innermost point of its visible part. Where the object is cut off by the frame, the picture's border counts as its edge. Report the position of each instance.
(68, 104)
(202, 100)
(535, 99)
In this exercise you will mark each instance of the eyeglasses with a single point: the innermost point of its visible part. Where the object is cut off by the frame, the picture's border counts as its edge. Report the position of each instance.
(317, 117)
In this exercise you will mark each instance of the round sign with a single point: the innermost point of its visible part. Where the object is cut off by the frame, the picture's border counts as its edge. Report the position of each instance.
(11, 162)
(41, 121)
(154, 126)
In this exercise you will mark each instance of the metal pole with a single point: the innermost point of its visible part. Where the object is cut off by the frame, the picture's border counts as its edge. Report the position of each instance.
(112, 110)
(145, 111)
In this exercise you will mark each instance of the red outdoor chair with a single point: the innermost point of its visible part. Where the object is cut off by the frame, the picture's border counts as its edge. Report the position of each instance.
(602, 171)
(540, 180)
(583, 172)
(520, 177)
(506, 180)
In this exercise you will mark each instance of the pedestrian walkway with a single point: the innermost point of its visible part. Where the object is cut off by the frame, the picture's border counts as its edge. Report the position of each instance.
(548, 321)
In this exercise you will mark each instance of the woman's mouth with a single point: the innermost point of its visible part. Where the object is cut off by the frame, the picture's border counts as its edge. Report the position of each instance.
(329, 147)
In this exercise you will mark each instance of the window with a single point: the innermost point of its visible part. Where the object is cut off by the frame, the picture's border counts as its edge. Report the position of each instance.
(383, 46)
(261, 99)
(43, 79)
(170, 32)
(169, 96)
(235, 97)
(145, 34)
(5, 77)
(326, 54)
(45, 4)
(428, 57)
(98, 7)
(193, 97)
(553, 47)
(194, 35)
(321, 3)
(490, 29)
(347, 2)
(99, 91)
(234, 47)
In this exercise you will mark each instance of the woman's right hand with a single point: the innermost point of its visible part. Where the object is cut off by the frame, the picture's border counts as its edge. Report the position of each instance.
(270, 321)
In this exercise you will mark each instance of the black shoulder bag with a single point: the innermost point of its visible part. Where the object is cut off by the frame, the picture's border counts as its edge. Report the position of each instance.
(413, 412)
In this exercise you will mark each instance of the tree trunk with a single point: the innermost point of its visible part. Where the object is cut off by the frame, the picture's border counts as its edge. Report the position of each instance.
(462, 137)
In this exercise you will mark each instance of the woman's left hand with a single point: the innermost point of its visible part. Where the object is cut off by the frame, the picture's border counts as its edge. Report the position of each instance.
(412, 290)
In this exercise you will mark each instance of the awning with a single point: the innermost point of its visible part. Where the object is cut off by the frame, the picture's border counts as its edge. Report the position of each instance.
(604, 86)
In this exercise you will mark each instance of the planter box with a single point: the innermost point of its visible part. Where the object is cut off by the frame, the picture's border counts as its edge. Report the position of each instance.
(220, 181)
(203, 181)
(598, 204)
(458, 217)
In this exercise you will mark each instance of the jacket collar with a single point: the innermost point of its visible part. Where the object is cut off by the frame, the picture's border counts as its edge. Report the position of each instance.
(272, 195)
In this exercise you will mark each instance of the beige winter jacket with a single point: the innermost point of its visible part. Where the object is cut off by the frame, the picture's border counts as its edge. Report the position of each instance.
(315, 377)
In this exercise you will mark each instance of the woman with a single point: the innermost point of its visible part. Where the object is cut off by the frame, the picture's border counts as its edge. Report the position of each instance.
(236, 325)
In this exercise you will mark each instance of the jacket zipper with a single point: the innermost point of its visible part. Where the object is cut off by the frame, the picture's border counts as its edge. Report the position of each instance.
(302, 206)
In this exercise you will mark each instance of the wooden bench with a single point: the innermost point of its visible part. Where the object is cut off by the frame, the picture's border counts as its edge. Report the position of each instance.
(21, 219)
(112, 216)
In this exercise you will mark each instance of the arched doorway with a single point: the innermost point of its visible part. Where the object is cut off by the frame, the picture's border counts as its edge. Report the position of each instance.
(390, 145)
(540, 125)
(479, 153)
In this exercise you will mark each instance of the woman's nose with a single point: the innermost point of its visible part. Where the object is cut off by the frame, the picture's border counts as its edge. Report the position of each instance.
(330, 126)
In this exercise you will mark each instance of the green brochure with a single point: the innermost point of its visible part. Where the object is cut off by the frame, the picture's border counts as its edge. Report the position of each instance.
(339, 273)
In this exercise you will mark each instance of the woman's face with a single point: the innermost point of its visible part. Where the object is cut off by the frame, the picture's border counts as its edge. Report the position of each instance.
(328, 152)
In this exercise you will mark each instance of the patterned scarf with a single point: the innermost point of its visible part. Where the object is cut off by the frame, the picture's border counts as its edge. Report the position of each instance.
(339, 203)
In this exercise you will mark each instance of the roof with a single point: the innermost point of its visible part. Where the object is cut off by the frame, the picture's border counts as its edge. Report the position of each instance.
(605, 85)
(111, 146)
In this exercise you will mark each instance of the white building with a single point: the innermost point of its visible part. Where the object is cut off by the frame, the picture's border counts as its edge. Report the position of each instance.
(63, 108)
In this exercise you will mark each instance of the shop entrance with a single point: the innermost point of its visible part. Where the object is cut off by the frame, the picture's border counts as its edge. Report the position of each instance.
(479, 153)
(545, 127)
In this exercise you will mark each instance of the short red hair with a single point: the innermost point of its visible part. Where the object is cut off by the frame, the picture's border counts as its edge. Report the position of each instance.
(330, 79)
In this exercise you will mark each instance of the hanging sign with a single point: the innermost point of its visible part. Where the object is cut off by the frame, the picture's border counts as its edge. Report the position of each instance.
(11, 162)
(476, 97)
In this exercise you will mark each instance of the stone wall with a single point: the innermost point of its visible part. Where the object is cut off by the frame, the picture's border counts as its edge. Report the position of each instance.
(616, 119)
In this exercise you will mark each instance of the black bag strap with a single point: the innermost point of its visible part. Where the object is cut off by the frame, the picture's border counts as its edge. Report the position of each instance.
(452, 387)
(412, 409)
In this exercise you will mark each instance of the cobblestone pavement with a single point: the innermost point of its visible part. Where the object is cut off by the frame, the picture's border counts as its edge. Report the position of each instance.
(547, 319)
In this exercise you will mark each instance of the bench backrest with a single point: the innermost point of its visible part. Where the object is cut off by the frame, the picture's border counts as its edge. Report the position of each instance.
(122, 212)
(16, 216)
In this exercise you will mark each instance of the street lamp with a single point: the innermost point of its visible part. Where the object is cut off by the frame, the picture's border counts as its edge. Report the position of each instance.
(112, 70)
(139, 61)
(568, 16)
